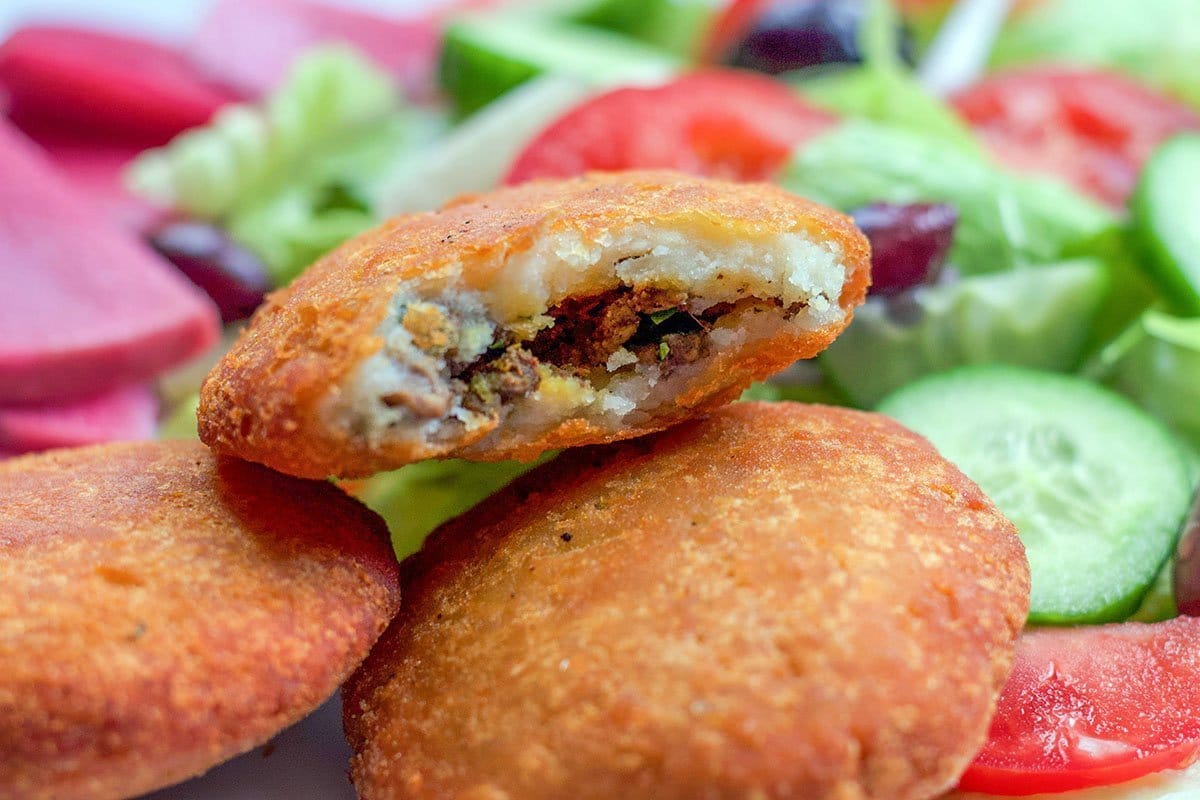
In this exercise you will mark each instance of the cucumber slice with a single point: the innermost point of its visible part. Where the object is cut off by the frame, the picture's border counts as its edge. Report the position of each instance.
(1096, 487)
(1037, 317)
(484, 57)
(1166, 214)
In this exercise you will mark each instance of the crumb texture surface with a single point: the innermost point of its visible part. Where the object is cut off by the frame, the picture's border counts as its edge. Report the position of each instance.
(164, 610)
(779, 601)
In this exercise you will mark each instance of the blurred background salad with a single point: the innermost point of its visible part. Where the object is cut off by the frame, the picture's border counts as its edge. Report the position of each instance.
(990, 153)
(1012, 175)
(1028, 173)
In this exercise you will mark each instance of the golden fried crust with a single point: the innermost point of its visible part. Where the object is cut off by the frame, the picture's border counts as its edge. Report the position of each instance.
(263, 401)
(163, 611)
(780, 601)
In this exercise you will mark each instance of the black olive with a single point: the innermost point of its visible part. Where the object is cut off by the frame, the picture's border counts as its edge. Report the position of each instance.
(1187, 564)
(793, 34)
(909, 243)
(231, 275)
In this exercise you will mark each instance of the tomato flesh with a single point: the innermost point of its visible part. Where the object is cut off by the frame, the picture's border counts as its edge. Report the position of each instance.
(1093, 706)
(1093, 129)
(721, 123)
(730, 26)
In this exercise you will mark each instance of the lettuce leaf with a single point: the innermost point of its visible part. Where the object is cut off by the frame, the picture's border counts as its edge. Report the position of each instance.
(1157, 364)
(1005, 221)
(418, 498)
(1130, 291)
(181, 422)
(289, 179)
(674, 25)
(1037, 317)
(1159, 602)
(1156, 41)
(883, 89)
(891, 97)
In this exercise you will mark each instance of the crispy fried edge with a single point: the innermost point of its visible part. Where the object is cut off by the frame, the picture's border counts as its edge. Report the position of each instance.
(108, 763)
(264, 400)
(531, 509)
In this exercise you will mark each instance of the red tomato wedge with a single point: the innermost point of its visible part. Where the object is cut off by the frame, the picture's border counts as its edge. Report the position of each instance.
(730, 26)
(721, 123)
(1093, 129)
(90, 81)
(1093, 706)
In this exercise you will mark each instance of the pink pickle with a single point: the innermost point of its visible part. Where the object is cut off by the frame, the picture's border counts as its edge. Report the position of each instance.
(121, 415)
(96, 167)
(86, 306)
(251, 44)
(92, 83)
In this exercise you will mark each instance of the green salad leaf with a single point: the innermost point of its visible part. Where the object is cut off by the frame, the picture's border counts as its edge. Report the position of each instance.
(1036, 317)
(764, 392)
(883, 89)
(181, 422)
(823, 391)
(1005, 221)
(1159, 603)
(416, 499)
(804, 382)
(891, 97)
(674, 25)
(1130, 291)
(1158, 41)
(879, 36)
(1157, 364)
(288, 178)
(249, 151)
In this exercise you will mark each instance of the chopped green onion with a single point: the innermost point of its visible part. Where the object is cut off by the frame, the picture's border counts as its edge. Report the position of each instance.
(663, 351)
(659, 317)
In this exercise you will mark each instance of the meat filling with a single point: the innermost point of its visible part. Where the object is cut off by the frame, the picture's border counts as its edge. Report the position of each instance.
(588, 330)
(513, 374)
(590, 337)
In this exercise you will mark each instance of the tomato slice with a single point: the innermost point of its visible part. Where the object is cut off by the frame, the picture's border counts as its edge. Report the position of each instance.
(722, 123)
(1093, 706)
(1093, 129)
(729, 27)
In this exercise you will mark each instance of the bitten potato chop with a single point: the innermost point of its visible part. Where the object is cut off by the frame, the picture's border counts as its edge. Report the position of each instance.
(549, 315)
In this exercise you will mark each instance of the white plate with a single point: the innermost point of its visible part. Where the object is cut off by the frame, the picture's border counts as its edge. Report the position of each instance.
(308, 761)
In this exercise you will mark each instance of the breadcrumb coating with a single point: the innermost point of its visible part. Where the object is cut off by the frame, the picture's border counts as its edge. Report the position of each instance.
(164, 610)
(779, 601)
